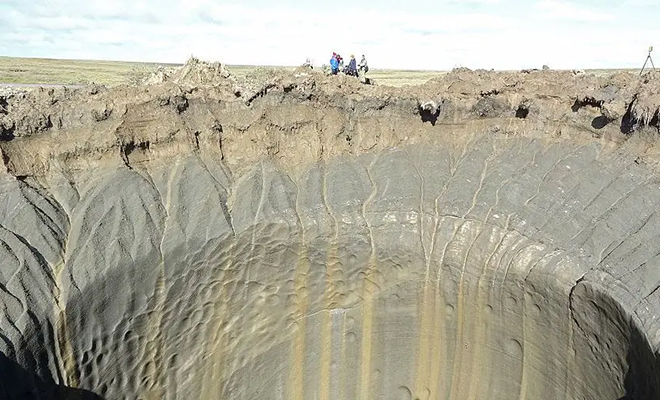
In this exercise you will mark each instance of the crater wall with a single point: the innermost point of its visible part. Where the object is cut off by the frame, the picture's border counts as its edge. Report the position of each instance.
(319, 238)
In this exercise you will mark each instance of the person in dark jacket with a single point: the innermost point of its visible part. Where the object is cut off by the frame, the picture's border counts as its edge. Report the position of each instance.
(352, 67)
(334, 64)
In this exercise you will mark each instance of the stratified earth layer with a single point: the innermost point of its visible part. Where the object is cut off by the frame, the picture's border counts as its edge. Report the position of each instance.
(483, 236)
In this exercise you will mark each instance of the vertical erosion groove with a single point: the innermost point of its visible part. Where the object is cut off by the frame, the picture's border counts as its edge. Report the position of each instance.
(299, 326)
(370, 288)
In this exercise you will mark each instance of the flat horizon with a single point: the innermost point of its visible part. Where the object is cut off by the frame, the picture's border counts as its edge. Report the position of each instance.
(178, 64)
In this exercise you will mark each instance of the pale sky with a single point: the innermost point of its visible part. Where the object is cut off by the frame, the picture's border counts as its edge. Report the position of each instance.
(410, 34)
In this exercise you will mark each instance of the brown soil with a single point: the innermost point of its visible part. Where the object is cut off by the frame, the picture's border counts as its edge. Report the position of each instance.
(202, 103)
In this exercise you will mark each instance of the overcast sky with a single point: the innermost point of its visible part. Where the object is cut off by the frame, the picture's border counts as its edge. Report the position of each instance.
(414, 34)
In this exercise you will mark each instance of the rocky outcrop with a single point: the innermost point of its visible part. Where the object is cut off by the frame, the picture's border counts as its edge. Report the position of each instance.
(485, 235)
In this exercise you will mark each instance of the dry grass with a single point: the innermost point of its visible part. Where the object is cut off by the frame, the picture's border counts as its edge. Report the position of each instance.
(50, 71)
(53, 71)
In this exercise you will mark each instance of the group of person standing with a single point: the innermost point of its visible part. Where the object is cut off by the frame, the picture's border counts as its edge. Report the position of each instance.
(352, 69)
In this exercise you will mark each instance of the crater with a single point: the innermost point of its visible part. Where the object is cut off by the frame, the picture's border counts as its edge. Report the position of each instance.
(378, 252)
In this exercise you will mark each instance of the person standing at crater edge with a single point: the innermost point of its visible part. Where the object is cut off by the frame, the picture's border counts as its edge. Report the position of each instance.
(363, 65)
(334, 64)
(352, 67)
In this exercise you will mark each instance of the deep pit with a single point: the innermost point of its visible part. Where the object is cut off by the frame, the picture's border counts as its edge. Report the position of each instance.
(310, 237)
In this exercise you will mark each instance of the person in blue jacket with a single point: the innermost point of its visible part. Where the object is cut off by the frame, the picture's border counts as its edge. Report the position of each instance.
(334, 64)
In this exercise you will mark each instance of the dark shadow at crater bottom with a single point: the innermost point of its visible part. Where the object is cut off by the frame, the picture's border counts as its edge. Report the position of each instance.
(17, 383)
(642, 381)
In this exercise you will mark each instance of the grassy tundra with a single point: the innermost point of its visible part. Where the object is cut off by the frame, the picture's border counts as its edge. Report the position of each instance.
(53, 71)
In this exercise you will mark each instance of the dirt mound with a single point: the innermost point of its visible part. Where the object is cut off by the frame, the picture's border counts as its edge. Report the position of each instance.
(193, 73)
(622, 103)
(645, 107)
(7, 91)
(161, 75)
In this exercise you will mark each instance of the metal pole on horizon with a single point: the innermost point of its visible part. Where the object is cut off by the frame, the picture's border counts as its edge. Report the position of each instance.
(648, 58)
